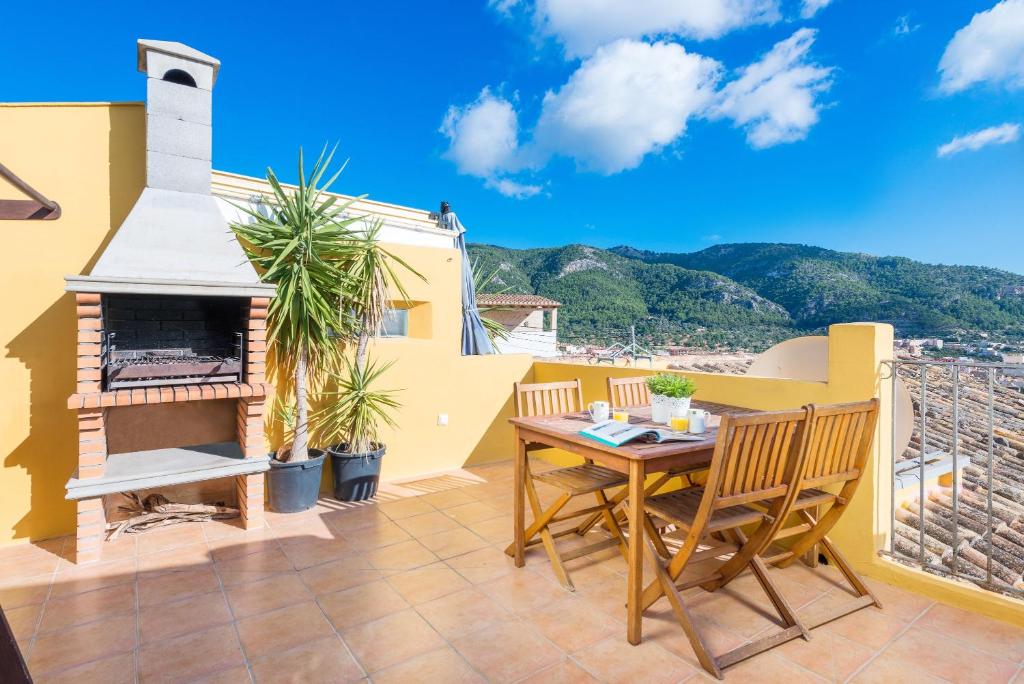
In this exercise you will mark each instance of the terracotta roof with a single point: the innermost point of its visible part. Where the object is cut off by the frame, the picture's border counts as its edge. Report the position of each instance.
(528, 300)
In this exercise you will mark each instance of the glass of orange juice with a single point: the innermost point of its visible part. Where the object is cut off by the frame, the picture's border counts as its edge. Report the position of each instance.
(679, 423)
(620, 416)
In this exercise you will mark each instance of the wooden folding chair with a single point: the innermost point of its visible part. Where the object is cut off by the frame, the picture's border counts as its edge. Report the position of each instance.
(553, 398)
(757, 458)
(838, 447)
(628, 392)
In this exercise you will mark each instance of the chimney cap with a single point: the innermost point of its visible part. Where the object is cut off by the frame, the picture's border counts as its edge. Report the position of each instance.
(175, 49)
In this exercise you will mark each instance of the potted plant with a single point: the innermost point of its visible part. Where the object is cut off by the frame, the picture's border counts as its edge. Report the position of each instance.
(350, 424)
(300, 242)
(670, 396)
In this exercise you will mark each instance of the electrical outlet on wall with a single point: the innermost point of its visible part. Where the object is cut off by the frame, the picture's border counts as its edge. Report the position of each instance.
(442, 418)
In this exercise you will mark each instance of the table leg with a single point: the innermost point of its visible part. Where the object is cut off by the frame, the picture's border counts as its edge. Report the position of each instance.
(635, 585)
(519, 503)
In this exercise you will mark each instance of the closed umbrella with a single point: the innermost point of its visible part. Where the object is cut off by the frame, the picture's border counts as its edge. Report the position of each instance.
(474, 337)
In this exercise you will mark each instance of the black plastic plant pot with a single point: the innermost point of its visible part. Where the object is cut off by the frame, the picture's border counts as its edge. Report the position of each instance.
(295, 486)
(356, 476)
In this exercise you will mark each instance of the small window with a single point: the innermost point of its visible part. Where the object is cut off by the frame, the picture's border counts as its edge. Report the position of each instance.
(548, 324)
(181, 77)
(395, 324)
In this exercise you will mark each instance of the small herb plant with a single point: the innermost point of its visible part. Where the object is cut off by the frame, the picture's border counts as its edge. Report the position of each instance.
(674, 386)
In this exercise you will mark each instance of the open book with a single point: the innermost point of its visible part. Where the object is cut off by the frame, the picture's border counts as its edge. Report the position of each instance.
(614, 433)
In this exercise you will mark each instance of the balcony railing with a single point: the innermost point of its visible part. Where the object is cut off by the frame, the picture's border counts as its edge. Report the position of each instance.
(958, 493)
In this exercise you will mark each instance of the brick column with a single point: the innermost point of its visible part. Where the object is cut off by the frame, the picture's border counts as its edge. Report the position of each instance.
(92, 523)
(251, 413)
(90, 323)
(92, 443)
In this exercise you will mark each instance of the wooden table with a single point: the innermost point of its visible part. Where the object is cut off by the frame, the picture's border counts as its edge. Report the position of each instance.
(637, 460)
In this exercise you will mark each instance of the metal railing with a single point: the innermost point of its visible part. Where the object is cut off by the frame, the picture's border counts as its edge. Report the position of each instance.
(966, 453)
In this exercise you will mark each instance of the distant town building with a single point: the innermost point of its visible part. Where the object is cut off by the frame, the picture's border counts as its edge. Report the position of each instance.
(531, 322)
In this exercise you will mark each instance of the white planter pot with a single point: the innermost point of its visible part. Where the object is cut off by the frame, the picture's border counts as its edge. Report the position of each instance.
(663, 408)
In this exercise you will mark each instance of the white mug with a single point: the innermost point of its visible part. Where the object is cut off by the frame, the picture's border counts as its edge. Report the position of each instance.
(599, 410)
(698, 421)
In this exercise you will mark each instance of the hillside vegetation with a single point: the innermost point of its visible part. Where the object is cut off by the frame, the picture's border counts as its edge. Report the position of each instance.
(752, 295)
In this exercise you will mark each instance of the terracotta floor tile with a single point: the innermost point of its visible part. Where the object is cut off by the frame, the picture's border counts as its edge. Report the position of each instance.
(314, 551)
(890, 669)
(249, 541)
(565, 672)
(377, 535)
(304, 528)
(233, 675)
(769, 668)
(31, 563)
(571, 623)
(91, 641)
(898, 603)
(170, 537)
(17, 592)
(495, 531)
(737, 612)
(364, 603)
(278, 591)
(195, 614)
(427, 524)
(406, 508)
(522, 652)
(174, 586)
(402, 556)
(615, 660)
(985, 634)
(427, 583)
(949, 657)
(254, 567)
(320, 661)
(346, 522)
(75, 579)
(827, 654)
(281, 629)
(190, 656)
(125, 546)
(444, 665)
(221, 529)
(523, 590)
(453, 542)
(119, 669)
(341, 574)
(460, 613)
(391, 640)
(662, 628)
(449, 498)
(482, 566)
(79, 608)
(188, 557)
(24, 620)
(869, 626)
(473, 512)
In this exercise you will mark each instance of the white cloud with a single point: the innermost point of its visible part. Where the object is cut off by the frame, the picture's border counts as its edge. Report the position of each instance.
(808, 8)
(584, 25)
(502, 6)
(629, 99)
(972, 142)
(513, 189)
(903, 27)
(483, 135)
(775, 98)
(990, 49)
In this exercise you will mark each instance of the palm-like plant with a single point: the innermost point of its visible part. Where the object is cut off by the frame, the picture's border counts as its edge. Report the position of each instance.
(303, 245)
(481, 283)
(354, 413)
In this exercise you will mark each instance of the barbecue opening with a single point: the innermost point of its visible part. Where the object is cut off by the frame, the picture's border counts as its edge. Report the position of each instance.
(158, 340)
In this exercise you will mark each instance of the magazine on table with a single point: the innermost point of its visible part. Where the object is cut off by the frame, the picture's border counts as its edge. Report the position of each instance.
(615, 433)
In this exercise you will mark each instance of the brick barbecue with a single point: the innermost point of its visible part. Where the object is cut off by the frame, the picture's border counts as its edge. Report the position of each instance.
(171, 342)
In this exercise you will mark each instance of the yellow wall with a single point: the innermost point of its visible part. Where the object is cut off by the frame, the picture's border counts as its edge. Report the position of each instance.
(90, 158)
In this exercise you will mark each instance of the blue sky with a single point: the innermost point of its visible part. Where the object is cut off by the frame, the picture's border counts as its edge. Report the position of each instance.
(663, 128)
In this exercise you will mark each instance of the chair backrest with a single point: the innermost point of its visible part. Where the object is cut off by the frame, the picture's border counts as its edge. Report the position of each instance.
(757, 457)
(548, 398)
(628, 392)
(839, 442)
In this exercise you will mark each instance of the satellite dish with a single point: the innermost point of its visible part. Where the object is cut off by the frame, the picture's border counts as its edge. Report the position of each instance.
(806, 358)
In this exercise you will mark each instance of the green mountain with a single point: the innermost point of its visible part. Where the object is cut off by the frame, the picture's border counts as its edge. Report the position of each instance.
(603, 293)
(820, 286)
(752, 295)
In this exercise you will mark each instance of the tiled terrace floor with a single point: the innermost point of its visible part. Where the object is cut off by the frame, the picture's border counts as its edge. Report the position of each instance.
(418, 589)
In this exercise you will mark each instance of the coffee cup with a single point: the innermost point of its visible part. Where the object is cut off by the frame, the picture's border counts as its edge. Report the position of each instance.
(599, 410)
(698, 421)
